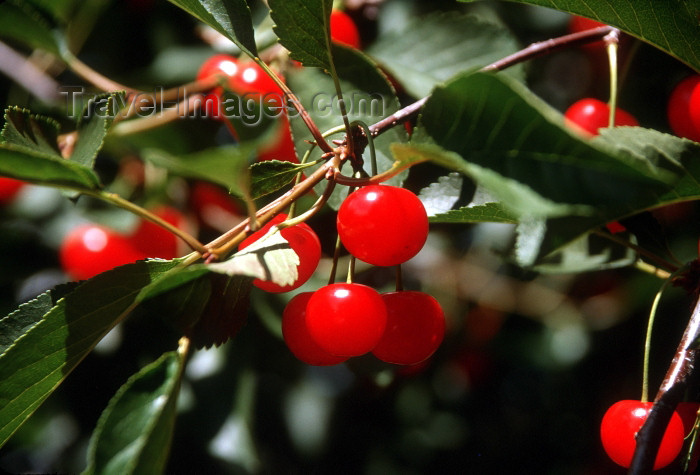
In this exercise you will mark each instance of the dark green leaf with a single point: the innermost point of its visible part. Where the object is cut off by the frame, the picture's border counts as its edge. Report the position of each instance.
(442, 195)
(368, 96)
(488, 212)
(269, 176)
(93, 125)
(449, 44)
(671, 25)
(22, 22)
(134, 432)
(227, 166)
(231, 18)
(303, 28)
(41, 358)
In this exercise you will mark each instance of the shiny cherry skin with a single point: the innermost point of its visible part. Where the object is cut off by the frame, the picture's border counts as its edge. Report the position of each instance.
(9, 187)
(252, 82)
(382, 225)
(346, 319)
(415, 328)
(90, 249)
(223, 66)
(695, 108)
(296, 334)
(592, 114)
(620, 425)
(155, 241)
(303, 241)
(344, 30)
(681, 106)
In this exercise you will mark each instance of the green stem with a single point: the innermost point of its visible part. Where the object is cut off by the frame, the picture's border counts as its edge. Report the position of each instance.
(120, 202)
(612, 43)
(336, 257)
(399, 278)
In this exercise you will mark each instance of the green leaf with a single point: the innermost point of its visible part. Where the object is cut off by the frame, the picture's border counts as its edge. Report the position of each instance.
(368, 96)
(231, 18)
(442, 195)
(269, 258)
(303, 27)
(485, 213)
(30, 132)
(134, 432)
(22, 22)
(97, 117)
(269, 176)
(57, 334)
(227, 165)
(449, 44)
(671, 25)
(518, 148)
(587, 253)
(45, 170)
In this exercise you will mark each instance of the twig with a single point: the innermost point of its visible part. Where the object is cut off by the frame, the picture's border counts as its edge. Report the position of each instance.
(667, 398)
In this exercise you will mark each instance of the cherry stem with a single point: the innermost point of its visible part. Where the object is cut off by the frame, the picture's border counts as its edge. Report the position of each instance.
(667, 398)
(647, 339)
(120, 202)
(612, 41)
(399, 278)
(93, 77)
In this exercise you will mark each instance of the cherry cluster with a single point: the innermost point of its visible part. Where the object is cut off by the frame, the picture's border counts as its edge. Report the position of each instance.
(384, 226)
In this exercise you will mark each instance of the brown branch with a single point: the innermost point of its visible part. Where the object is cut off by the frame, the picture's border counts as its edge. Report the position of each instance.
(667, 398)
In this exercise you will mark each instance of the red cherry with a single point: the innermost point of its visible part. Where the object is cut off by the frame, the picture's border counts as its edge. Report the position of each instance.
(382, 225)
(344, 30)
(252, 82)
(615, 227)
(619, 428)
(578, 24)
(592, 114)
(297, 337)
(155, 241)
(225, 66)
(681, 106)
(695, 108)
(303, 240)
(90, 249)
(415, 328)
(689, 413)
(346, 319)
(9, 187)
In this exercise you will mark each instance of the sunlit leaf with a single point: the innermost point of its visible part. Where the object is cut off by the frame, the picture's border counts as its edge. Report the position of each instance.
(303, 28)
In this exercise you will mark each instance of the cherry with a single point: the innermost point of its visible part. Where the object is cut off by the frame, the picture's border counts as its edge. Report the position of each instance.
(90, 249)
(252, 82)
(9, 187)
(155, 241)
(297, 337)
(344, 30)
(303, 241)
(592, 114)
(415, 328)
(382, 225)
(682, 104)
(619, 428)
(346, 319)
(578, 24)
(225, 66)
